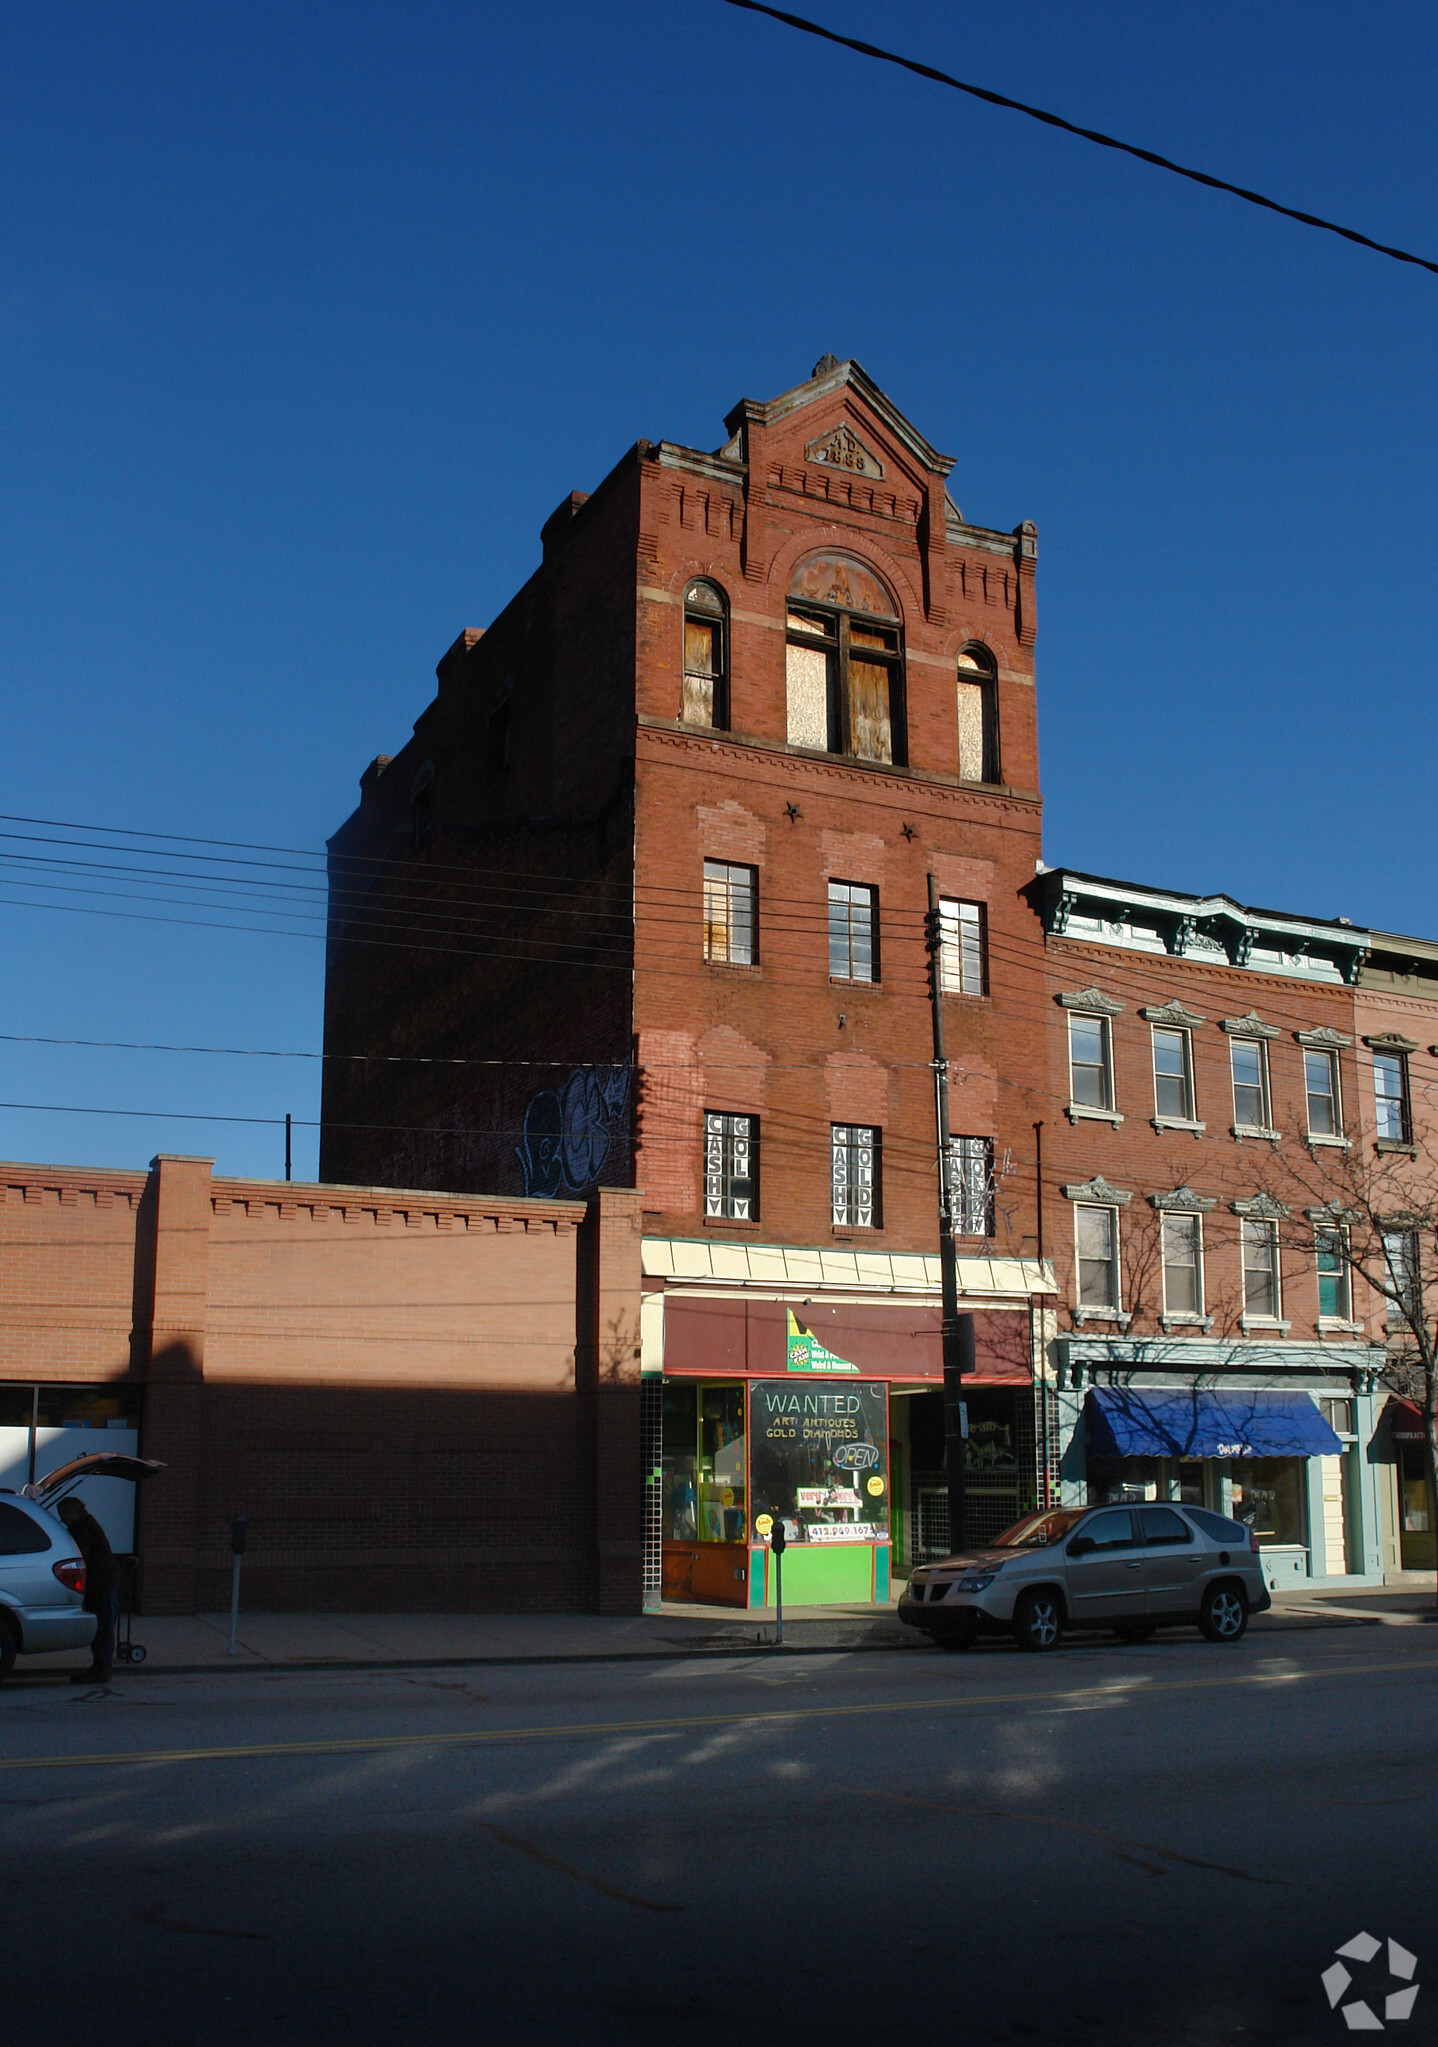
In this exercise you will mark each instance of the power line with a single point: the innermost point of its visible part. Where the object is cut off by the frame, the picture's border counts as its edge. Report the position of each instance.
(1163, 163)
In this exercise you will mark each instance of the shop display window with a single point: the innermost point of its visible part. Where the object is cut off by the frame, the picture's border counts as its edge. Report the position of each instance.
(703, 1463)
(1268, 1497)
(819, 1459)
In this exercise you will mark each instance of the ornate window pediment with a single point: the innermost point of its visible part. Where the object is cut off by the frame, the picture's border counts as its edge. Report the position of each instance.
(1324, 1039)
(1183, 1201)
(1094, 1001)
(841, 448)
(1261, 1209)
(1390, 1041)
(1250, 1026)
(1174, 1015)
(1333, 1215)
(1098, 1191)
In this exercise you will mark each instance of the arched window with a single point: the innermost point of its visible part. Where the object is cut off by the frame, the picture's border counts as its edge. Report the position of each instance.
(706, 656)
(978, 708)
(845, 668)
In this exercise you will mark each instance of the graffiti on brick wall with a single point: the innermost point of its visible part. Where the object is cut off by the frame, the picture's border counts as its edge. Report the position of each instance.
(570, 1131)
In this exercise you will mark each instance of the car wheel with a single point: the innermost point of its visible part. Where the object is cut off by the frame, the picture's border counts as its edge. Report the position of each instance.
(1223, 1615)
(8, 1647)
(1038, 1621)
(1134, 1631)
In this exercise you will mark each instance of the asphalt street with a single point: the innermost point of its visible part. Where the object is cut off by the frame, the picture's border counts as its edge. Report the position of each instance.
(1112, 1843)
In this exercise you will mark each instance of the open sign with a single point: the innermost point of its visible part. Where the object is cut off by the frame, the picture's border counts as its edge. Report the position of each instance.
(856, 1456)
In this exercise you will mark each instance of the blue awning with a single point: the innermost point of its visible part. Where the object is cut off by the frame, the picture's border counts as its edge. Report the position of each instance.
(1231, 1423)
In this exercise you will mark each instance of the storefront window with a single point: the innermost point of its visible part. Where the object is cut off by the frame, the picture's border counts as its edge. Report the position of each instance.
(820, 1459)
(1417, 1549)
(681, 1461)
(1268, 1497)
(703, 1463)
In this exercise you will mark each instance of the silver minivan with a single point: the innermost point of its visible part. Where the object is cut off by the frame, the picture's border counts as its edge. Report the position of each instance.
(1128, 1568)
(42, 1584)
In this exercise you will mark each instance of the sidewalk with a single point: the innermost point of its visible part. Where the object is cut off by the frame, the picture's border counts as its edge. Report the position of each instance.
(182, 1645)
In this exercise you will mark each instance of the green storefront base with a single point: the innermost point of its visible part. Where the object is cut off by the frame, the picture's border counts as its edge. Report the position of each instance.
(822, 1574)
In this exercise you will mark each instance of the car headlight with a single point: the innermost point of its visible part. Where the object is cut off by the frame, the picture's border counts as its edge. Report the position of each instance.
(978, 1582)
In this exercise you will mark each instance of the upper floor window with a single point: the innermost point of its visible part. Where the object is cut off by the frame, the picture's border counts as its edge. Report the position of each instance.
(978, 716)
(1182, 1244)
(1250, 1083)
(1403, 1290)
(962, 951)
(1260, 1270)
(1090, 1066)
(1096, 1246)
(853, 931)
(706, 656)
(971, 1186)
(731, 1159)
(845, 667)
(1333, 1290)
(1390, 1091)
(1320, 1078)
(1172, 1074)
(854, 1175)
(729, 894)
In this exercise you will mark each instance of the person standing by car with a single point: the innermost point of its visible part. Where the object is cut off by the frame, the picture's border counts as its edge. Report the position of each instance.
(102, 1579)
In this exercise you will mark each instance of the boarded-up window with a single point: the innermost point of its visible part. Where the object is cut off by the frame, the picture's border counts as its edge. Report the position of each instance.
(705, 668)
(845, 670)
(977, 716)
(870, 734)
(809, 680)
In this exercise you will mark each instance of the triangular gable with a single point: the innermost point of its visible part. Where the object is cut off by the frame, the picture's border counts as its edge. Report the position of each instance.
(842, 443)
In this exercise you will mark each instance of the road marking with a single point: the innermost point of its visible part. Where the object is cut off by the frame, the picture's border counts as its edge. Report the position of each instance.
(377, 1744)
(582, 1876)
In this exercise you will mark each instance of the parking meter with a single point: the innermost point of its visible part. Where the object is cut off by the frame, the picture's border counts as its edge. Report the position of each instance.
(239, 1537)
(777, 1537)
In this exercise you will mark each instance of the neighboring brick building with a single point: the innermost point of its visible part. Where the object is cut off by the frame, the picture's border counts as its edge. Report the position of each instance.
(1209, 1100)
(660, 849)
(423, 1401)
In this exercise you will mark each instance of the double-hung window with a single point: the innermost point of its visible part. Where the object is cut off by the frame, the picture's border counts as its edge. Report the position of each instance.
(854, 1175)
(1333, 1288)
(962, 950)
(971, 1186)
(1096, 1246)
(1400, 1260)
(1172, 1075)
(729, 894)
(1320, 1079)
(1261, 1295)
(731, 1166)
(1090, 1064)
(1250, 1083)
(1390, 1094)
(853, 931)
(1182, 1265)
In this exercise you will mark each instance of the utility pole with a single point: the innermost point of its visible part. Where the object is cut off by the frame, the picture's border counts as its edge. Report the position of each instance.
(287, 1146)
(957, 1330)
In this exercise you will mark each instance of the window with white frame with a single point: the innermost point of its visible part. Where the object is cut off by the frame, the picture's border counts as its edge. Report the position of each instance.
(1401, 1271)
(1320, 1079)
(1090, 1063)
(729, 894)
(971, 1186)
(1261, 1296)
(731, 1159)
(854, 1175)
(1249, 1057)
(1172, 1074)
(1334, 1292)
(1096, 1248)
(853, 931)
(1182, 1243)
(1390, 1095)
(962, 950)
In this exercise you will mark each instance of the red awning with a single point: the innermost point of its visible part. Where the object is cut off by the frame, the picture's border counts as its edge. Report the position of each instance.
(899, 1340)
(1405, 1420)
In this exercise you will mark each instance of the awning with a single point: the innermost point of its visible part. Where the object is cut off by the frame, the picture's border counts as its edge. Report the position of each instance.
(1232, 1423)
(1405, 1419)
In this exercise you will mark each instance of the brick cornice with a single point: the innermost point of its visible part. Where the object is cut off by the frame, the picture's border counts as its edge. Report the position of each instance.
(702, 742)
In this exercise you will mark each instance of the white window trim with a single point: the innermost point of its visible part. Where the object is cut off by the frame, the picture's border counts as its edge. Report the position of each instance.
(1160, 1121)
(1087, 1112)
(1084, 1312)
(1186, 1315)
(1250, 1321)
(1335, 1140)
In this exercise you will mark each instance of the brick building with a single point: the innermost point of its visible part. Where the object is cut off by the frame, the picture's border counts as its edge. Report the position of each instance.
(660, 850)
(419, 1400)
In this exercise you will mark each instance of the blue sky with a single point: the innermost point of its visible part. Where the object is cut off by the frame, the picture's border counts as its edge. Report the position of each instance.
(310, 315)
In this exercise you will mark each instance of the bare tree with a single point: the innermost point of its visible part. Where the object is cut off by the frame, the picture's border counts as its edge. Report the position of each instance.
(1369, 1220)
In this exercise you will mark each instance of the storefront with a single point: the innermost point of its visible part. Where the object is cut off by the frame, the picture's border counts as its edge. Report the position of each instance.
(1273, 1438)
(823, 1412)
(1416, 1547)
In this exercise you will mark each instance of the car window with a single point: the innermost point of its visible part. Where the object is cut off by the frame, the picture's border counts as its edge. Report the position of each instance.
(1215, 1525)
(1110, 1530)
(1161, 1525)
(1037, 1531)
(19, 1535)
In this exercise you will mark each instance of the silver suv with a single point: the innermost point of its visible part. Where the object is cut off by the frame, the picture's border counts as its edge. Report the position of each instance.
(42, 1584)
(1132, 1569)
